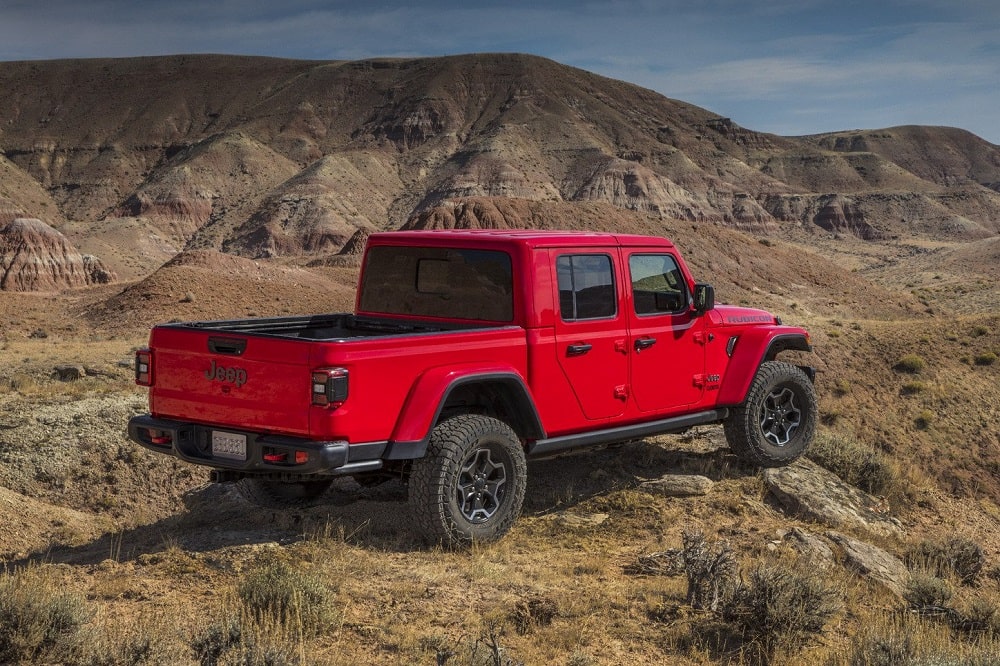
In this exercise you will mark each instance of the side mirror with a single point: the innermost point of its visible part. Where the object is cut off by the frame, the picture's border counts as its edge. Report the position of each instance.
(704, 298)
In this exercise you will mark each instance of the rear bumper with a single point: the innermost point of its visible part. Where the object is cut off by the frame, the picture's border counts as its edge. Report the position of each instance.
(265, 454)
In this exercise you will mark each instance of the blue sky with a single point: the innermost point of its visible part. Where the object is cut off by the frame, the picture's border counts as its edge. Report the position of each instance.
(784, 66)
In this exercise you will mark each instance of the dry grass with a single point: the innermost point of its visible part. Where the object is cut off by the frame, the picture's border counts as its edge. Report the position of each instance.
(39, 617)
(856, 463)
(27, 368)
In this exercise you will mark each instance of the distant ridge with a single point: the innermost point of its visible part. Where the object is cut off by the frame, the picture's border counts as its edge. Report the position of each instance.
(266, 157)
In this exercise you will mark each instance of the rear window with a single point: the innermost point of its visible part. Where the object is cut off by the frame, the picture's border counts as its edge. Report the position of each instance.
(438, 282)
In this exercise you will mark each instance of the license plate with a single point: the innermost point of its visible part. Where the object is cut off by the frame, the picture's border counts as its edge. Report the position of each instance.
(229, 445)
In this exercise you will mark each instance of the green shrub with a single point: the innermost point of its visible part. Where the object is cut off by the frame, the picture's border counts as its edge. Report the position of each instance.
(128, 642)
(924, 419)
(854, 462)
(913, 388)
(911, 363)
(277, 592)
(710, 568)
(955, 556)
(986, 358)
(780, 607)
(979, 617)
(925, 591)
(235, 643)
(39, 618)
(216, 640)
(904, 642)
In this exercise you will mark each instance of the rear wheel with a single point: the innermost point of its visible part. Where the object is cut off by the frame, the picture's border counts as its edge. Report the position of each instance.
(470, 484)
(776, 422)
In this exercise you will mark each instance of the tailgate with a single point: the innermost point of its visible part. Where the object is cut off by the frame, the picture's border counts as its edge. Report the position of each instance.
(243, 381)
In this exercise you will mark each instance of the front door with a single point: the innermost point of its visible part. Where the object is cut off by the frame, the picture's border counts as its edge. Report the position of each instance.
(590, 332)
(667, 347)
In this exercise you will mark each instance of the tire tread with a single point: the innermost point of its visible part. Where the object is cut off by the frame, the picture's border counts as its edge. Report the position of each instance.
(429, 479)
(740, 423)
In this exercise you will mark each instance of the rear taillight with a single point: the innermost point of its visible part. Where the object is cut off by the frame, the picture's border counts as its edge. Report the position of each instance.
(329, 387)
(284, 457)
(144, 367)
(160, 438)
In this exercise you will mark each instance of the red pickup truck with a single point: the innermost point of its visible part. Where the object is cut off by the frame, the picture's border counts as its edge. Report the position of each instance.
(468, 353)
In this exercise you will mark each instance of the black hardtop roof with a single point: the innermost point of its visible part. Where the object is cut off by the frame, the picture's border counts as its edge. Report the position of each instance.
(530, 237)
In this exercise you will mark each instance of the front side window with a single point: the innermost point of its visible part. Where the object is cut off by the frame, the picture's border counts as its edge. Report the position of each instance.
(586, 287)
(658, 285)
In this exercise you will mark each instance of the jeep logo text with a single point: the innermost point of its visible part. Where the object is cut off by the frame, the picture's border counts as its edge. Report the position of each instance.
(221, 373)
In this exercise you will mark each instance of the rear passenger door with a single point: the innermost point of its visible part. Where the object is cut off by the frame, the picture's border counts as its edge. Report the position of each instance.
(666, 342)
(591, 338)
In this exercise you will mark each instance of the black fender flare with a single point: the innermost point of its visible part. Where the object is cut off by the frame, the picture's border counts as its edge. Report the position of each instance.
(512, 394)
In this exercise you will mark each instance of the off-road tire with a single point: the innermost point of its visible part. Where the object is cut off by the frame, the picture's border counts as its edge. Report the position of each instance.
(270, 494)
(776, 422)
(469, 486)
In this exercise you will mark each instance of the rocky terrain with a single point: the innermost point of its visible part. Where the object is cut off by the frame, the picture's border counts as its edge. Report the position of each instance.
(194, 187)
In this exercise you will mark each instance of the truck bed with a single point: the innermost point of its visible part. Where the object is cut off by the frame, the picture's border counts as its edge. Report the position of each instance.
(326, 327)
(256, 374)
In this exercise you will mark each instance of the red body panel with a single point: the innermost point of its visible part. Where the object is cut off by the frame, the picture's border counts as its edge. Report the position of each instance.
(274, 396)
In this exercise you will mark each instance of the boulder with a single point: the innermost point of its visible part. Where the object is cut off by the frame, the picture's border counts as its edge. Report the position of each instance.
(810, 546)
(69, 373)
(808, 491)
(581, 520)
(678, 485)
(872, 562)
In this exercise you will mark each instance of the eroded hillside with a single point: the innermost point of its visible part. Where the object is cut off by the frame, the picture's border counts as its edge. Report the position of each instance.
(264, 157)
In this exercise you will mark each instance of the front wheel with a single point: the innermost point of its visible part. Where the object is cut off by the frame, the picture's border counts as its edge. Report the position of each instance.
(776, 422)
(469, 486)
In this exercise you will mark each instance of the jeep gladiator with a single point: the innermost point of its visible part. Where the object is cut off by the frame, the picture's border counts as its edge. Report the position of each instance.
(468, 353)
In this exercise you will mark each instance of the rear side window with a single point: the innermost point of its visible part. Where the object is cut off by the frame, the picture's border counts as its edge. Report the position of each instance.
(586, 287)
(438, 282)
(657, 284)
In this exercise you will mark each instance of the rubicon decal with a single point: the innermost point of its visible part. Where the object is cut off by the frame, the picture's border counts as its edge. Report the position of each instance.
(750, 319)
(221, 373)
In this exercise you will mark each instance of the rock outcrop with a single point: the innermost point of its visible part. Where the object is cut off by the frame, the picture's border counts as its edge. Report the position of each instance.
(678, 485)
(36, 257)
(839, 214)
(872, 562)
(808, 491)
(350, 254)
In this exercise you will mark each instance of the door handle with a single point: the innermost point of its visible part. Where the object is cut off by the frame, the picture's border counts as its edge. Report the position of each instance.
(644, 343)
(579, 349)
